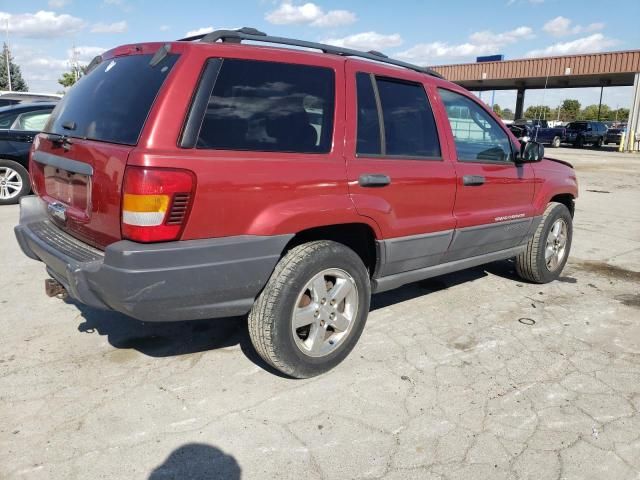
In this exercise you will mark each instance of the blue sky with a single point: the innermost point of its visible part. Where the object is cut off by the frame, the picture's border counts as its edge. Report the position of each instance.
(43, 33)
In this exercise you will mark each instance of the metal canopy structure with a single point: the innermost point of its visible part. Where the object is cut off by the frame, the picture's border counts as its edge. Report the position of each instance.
(607, 69)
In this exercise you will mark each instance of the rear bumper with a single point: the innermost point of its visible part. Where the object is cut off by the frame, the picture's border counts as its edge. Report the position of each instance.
(183, 280)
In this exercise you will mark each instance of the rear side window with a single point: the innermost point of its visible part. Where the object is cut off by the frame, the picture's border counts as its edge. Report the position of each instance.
(408, 128)
(112, 102)
(269, 106)
(368, 120)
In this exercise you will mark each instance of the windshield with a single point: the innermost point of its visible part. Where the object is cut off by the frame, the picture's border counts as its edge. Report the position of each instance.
(577, 126)
(112, 102)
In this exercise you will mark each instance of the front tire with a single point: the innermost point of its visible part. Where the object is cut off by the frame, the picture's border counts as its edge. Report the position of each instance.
(313, 309)
(14, 182)
(598, 144)
(548, 250)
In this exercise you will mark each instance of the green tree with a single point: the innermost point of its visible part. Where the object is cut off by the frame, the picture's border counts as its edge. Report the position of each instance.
(620, 114)
(569, 110)
(17, 82)
(497, 110)
(538, 111)
(508, 114)
(590, 112)
(69, 78)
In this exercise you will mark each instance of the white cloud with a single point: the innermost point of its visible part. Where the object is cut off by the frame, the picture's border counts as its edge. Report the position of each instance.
(116, 27)
(562, 26)
(487, 37)
(481, 43)
(41, 24)
(85, 54)
(165, 28)
(58, 3)
(41, 70)
(367, 41)
(309, 14)
(199, 31)
(593, 43)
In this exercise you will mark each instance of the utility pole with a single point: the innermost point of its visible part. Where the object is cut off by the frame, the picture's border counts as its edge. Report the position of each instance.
(7, 57)
(600, 103)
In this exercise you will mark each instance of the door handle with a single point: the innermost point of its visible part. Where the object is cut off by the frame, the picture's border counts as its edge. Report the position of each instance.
(24, 138)
(374, 180)
(473, 180)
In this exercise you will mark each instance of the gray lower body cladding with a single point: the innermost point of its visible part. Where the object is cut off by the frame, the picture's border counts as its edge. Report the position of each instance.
(436, 254)
(184, 280)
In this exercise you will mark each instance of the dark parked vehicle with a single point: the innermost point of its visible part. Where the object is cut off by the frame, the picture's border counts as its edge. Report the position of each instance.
(582, 133)
(614, 134)
(539, 131)
(19, 124)
(14, 98)
(209, 178)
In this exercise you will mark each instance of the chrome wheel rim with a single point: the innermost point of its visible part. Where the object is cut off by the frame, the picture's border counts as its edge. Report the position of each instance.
(556, 246)
(324, 313)
(10, 183)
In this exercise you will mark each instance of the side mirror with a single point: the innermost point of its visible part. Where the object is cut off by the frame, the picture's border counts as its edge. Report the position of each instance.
(531, 152)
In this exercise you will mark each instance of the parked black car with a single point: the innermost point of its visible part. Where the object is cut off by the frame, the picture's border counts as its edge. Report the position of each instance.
(614, 134)
(19, 124)
(586, 132)
(15, 98)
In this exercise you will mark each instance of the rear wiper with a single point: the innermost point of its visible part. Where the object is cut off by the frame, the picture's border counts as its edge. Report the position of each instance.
(59, 140)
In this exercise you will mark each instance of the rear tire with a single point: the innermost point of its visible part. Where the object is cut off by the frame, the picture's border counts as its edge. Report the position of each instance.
(579, 142)
(303, 323)
(14, 182)
(598, 144)
(555, 143)
(553, 237)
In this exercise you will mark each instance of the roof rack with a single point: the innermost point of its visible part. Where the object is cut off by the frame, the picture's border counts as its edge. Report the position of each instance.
(248, 33)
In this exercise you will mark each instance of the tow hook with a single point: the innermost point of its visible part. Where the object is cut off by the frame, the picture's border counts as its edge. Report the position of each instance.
(53, 288)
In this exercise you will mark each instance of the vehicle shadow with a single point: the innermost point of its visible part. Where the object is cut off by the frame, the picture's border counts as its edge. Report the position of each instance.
(168, 339)
(197, 461)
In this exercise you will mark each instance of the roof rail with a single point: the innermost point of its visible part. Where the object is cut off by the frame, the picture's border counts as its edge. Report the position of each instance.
(248, 33)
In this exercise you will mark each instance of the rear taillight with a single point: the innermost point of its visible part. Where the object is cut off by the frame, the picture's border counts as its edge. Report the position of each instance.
(155, 203)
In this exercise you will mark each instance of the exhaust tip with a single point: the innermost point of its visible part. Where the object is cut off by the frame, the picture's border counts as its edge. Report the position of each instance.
(53, 288)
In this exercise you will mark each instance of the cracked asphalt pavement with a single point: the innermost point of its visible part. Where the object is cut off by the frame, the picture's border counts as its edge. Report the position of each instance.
(468, 376)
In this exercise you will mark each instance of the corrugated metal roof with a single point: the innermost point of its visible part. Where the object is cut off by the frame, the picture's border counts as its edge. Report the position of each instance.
(563, 66)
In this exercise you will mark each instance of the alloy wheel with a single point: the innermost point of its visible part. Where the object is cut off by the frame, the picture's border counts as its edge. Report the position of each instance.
(10, 183)
(556, 245)
(325, 312)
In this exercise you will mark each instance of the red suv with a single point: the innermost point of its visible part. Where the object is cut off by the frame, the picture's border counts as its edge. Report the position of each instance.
(209, 178)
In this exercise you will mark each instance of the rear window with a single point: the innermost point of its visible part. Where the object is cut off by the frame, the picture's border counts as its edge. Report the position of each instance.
(269, 106)
(112, 102)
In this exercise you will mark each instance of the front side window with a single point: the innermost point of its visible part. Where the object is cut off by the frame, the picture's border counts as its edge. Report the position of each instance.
(408, 126)
(270, 107)
(477, 135)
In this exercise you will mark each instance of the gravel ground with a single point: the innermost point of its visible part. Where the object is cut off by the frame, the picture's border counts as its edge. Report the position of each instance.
(471, 375)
